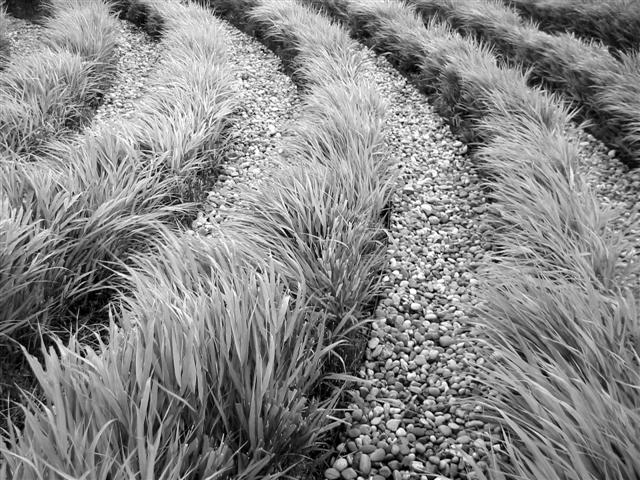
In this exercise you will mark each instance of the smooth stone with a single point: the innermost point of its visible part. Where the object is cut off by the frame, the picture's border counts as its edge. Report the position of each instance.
(365, 464)
(420, 360)
(331, 474)
(433, 391)
(445, 341)
(393, 424)
(349, 474)
(340, 464)
(378, 455)
(368, 448)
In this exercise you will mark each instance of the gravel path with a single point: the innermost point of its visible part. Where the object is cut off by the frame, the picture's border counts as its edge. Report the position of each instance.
(420, 355)
(25, 36)
(268, 101)
(138, 56)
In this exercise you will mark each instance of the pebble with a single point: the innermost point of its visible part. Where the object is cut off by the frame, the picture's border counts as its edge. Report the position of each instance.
(393, 424)
(331, 474)
(340, 464)
(349, 473)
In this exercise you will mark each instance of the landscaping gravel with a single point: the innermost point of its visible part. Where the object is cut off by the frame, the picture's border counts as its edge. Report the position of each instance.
(138, 56)
(268, 101)
(421, 355)
(25, 37)
(411, 421)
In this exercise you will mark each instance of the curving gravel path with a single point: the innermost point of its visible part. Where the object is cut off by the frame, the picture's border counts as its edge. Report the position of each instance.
(408, 423)
(268, 101)
(138, 56)
(420, 355)
(25, 37)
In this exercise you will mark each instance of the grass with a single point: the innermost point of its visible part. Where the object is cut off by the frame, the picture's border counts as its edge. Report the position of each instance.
(54, 91)
(107, 194)
(584, 71)
(203, 333)
(614, 22)
(143, 14)
(5, 44)
(213, 355)
(565, 327)
(29, 9)
(556, 314)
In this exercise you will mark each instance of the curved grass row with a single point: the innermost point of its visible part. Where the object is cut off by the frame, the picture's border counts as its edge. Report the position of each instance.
(55, 90)
(71, 219)
(28, 9)
(216, 365)
(5, 44)
(614, 22)
(557, 317)
(141, 13)
(608, 90)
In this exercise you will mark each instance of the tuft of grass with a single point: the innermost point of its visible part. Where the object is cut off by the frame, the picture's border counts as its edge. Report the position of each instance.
(29, 9)
(88, 30)
(54, 91)
(5, 44)
(584, 71)
(194, 100)
(207, 375)
(67, 230)
(565, 331)
(143, 14)
(614, 22)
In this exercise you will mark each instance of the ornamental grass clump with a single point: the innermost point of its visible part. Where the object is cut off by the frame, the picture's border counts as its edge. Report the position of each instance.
(206, 375)
(142, 14)
(616, 23)
(5, 43)
(67, 229)
(325, 216)
(54, 91)
(194, 98)
(585, 72)
(557, 314)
